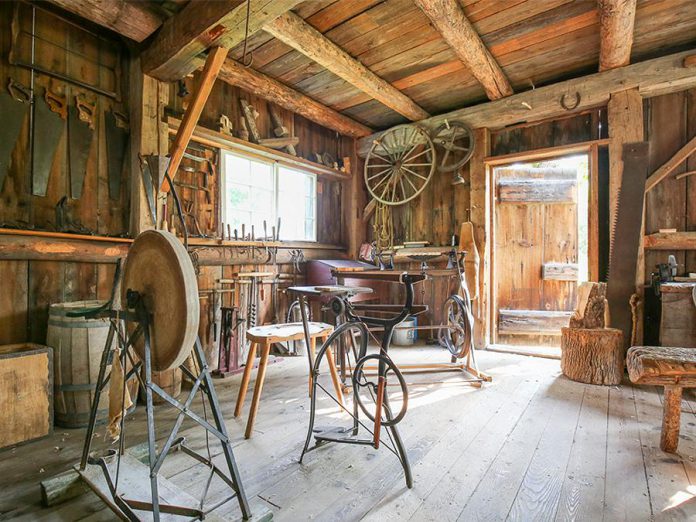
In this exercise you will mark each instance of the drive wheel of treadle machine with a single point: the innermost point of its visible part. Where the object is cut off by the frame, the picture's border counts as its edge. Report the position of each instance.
(365, 389)
(295, 314)
(457, 336)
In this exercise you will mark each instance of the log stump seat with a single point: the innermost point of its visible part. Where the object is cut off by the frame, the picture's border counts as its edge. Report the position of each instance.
(673, 368)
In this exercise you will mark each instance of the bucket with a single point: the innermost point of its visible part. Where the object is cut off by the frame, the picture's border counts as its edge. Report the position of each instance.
(77, 344)
(405, 333)
(169, 381)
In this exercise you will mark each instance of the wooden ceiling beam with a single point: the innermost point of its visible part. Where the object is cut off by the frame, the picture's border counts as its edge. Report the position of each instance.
(449, 19)
(616, 20)
(654, 77)
(130, 19)
(298, 34)
(176, 49)
(272, 90)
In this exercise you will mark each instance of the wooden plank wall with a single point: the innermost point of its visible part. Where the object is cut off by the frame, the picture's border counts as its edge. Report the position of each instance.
(670, 121)
(31, 286)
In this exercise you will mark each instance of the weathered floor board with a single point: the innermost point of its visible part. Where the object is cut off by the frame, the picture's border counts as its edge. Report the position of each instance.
(531, 445)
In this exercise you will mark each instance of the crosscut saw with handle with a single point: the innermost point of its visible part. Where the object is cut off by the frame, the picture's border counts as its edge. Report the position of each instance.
(80, 132)
(626, 237)
(14, 105)
(50, 113)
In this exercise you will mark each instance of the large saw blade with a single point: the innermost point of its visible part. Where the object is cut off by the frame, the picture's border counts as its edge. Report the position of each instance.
(116, 141)
(79, 144)
(48, 129)
(14, 110)
(627, 225)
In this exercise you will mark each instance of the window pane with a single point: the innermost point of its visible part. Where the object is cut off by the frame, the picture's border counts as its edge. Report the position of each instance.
(249, 193)
(296, 204)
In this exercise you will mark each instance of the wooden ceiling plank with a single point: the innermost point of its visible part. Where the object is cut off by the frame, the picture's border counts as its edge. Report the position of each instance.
(450, 20)
(215, 60)
(174, 52)
(130, 19)
(616, 21)
(295, 32)
(651, 77)
(272, 90)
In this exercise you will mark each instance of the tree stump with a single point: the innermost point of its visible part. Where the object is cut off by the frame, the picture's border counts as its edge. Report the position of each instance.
(592, 355)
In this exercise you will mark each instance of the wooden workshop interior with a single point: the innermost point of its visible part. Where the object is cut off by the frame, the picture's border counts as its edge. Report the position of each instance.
(347, 259)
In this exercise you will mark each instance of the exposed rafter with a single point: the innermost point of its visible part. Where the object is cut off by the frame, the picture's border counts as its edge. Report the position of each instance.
(130, 19)
(176, 49)
(295, 32)
(616, 20)
(652, 78)
(272, 90)
(449, 19)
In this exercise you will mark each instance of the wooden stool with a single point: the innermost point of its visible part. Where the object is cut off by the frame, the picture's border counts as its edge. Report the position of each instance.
(264, 337)
(673, 368)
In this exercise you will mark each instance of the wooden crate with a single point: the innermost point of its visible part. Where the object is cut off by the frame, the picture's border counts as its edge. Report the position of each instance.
(26, 393)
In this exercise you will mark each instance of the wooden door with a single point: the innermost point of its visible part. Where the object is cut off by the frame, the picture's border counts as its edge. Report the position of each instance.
(536, 252)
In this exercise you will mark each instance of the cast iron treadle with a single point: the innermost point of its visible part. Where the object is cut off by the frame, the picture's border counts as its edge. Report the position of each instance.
(340, 434)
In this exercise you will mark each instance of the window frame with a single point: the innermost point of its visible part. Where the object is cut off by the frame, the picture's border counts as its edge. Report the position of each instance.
(275, 173)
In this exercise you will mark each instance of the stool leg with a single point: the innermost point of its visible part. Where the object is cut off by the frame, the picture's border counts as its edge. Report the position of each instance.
(334, 376)
(260, 376)
(245, 380)
(313, 350)
(671, 419)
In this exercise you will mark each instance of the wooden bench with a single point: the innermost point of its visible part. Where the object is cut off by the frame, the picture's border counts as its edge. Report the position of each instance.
(673, 368)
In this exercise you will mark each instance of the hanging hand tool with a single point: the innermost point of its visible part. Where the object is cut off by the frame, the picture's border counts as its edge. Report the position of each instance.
(80, 131)
(148, 183)
(116, 130)
(50, 113)
(14, 105)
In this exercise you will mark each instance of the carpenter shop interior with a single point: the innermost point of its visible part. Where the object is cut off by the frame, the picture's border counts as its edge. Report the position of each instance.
(342, 260)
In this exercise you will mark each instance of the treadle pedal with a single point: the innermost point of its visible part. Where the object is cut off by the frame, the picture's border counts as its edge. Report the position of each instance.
(340, 434)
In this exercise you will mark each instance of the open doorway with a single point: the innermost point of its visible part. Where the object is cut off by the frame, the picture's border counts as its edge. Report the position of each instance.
(540, 255)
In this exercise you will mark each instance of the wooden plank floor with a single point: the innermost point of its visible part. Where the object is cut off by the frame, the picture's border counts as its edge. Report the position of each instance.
(531, 445)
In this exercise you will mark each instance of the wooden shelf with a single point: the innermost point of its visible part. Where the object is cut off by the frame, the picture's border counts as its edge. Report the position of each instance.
(217, 140)
(670, 241)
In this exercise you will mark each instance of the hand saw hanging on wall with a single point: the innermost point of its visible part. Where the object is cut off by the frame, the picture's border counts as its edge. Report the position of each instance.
(80, 132)
(116, 130)
(14, 105)
(50, 113)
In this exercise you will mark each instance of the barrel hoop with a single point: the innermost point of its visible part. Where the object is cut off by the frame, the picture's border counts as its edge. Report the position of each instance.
(75, 387)
(77, 324)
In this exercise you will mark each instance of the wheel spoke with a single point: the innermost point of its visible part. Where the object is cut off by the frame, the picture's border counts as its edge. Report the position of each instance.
(386, 178)
(419, 154)
(373, 153)
(381, 173)
(414, 173)
(411, 183)
(416, 164)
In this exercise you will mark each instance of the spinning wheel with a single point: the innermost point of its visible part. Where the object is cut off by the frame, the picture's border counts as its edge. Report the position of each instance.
(400, 165)
(160, 270)
(366, 389)
(456, 337)
(455, 138)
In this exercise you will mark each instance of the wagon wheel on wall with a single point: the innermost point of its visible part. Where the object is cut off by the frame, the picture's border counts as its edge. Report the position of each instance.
(400, 164)
(455, 138)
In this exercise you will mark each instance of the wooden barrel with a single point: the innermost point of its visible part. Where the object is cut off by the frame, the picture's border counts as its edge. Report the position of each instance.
(77, 345)
(169, 381)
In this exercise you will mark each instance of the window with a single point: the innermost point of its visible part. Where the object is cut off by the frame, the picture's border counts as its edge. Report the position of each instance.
(256, 191)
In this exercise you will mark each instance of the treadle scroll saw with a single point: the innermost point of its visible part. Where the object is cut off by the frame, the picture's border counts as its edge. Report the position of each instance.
(154, 319)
